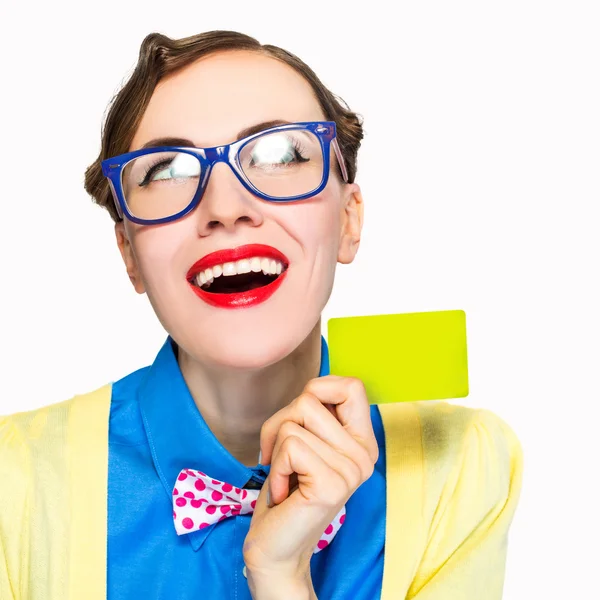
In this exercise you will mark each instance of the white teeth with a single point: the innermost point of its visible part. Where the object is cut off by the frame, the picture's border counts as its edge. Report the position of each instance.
(265, 264)
(229, 269)
(243, 266)
(255, 264)
(208, 275)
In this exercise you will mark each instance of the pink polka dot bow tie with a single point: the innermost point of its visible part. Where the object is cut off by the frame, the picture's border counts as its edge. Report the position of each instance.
(200, 501)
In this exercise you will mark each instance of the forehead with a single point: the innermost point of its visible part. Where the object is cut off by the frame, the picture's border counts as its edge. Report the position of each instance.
(214, 98)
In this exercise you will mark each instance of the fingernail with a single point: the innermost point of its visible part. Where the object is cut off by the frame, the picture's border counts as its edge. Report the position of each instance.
(259, 457)
(269, 497)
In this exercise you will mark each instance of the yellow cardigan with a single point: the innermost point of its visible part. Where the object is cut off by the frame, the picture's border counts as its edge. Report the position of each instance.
(453, 483)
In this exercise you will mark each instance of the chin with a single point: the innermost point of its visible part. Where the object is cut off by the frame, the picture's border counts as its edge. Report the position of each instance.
(245, 350)
(244, 339)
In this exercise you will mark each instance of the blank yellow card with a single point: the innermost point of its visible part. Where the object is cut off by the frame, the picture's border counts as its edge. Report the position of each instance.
(402, 357)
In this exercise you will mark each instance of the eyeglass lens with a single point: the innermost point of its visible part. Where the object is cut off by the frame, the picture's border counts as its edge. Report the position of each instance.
(282, 164)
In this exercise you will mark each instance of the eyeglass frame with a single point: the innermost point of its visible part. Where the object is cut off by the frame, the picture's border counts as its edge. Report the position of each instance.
(325, 131)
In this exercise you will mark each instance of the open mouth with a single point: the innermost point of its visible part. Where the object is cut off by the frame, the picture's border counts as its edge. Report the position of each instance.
(221, 279)
(238, 277)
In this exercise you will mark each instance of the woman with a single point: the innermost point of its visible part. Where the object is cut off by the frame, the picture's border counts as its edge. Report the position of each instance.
(227, 468)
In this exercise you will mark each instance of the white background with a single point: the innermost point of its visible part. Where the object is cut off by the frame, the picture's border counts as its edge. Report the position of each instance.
(480, 173)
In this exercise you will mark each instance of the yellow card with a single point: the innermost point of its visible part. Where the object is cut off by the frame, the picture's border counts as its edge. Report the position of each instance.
(402, 357)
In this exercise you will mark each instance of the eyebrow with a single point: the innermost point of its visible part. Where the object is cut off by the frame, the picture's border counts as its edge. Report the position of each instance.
(177, 141)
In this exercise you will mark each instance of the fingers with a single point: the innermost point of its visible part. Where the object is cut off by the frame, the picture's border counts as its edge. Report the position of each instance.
(341, 469)
(319, 486)
(352, 406)
(327, 435)
(347, 430)
(308, 510)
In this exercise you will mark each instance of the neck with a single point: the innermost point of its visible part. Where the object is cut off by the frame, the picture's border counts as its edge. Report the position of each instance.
(236, 403)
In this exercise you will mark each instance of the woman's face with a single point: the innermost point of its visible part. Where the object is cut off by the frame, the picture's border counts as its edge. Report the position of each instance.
(209, 102)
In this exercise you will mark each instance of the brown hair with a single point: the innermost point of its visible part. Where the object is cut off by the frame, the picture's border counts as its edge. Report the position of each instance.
(161, 56)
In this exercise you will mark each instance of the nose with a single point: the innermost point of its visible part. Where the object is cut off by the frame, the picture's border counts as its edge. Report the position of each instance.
(226, 203)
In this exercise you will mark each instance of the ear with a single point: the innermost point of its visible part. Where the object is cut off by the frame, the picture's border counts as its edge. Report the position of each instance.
(129, 257)
(351, 223)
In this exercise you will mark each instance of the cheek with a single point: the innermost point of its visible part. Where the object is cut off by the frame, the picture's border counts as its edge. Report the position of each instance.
(156, 251)
(315, 224)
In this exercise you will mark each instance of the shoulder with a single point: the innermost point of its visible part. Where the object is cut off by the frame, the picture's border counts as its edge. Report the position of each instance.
(446, 431)
(30, 434)
(456, 436)
(455, 473)
(14, 453)
(449, 429)
(24, 429)
(26, 440)
(126, 388)
(462, 450)
(33, 439)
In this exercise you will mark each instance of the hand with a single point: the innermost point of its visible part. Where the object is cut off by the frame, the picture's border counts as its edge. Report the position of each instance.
(324, 441)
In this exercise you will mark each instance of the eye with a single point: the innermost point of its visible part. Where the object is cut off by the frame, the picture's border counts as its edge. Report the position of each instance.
(181, 166)
(275, 150)
(157, 171)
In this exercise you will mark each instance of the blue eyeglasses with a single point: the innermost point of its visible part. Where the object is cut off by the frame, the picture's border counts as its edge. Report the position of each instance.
(280, 164)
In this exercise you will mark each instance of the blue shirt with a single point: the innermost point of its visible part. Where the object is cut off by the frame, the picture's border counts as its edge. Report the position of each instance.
(155, 430)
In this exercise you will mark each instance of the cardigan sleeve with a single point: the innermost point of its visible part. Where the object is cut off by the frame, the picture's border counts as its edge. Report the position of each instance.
(478, 490)
(13, 506)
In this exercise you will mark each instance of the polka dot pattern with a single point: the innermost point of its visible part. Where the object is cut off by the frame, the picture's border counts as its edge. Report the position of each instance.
(200, 501)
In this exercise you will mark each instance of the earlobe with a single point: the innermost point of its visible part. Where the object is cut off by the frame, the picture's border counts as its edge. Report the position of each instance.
(129, 257)
(351, 224)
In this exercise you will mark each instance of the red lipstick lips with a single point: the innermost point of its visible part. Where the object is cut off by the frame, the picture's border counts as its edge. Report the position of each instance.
(238, 299)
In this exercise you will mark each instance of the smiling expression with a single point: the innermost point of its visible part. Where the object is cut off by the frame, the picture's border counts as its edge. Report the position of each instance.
(294, 247)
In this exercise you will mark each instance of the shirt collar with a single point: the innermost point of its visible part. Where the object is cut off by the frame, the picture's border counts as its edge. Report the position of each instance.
(178, 435)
